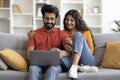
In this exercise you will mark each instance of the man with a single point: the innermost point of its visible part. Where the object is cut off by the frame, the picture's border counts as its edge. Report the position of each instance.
(46, 38)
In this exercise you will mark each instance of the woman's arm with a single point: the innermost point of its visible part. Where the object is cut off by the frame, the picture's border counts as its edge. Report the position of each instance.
(30, 33)
(67, 43)
(89, 40)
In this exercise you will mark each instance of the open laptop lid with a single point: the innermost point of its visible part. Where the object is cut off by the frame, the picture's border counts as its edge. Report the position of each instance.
(44, 57)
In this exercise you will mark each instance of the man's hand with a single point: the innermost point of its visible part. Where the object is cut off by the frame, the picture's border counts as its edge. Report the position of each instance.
(62, 52)
(30, 33)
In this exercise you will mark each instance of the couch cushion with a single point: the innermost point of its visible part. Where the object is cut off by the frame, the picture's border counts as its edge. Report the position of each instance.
(14, 59)
(99, 44)
(3, 65)
(111, 57)
(13, 75)
(102, 74)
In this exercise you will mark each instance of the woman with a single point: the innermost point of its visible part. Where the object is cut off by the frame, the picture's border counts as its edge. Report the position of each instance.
(82, 45)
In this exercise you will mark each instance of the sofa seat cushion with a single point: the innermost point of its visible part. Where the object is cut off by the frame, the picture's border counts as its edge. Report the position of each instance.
(102, 74)
(13, 75)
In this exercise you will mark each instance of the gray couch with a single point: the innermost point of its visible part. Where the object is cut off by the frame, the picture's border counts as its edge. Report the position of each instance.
(19, 43)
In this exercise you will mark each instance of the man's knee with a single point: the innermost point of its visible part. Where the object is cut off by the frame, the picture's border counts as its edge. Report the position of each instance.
(33, 69)
(52, 68)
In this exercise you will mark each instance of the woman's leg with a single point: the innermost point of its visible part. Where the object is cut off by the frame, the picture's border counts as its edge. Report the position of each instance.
(81, 55)
(65, 63)
(34, 72)
(81, 51)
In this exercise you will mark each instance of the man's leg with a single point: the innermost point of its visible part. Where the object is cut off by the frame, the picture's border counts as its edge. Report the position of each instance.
(34, 72)
(52, 72)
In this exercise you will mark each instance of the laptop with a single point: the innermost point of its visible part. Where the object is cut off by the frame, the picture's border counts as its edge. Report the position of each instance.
(44, 57)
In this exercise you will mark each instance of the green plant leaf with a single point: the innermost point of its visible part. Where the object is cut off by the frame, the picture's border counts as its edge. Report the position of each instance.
(117, 28)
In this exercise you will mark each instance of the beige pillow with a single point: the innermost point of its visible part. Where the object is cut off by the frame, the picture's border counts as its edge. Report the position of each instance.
(3, 65)
(111, 57)
(14, 59)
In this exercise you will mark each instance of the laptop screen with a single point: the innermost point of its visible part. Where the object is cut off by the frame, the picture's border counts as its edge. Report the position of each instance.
(44, 57)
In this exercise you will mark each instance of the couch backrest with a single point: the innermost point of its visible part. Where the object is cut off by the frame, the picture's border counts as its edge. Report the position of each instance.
(19, 43)
(14, 42)
(99, 44)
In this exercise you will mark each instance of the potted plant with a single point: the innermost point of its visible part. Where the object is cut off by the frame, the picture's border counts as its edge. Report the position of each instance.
(116, 28)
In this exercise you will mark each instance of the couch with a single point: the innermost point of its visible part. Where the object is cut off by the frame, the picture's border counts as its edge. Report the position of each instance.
(19, 44)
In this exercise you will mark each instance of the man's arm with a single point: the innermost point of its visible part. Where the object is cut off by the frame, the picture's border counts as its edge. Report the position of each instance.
(28, 53)
(30, 44)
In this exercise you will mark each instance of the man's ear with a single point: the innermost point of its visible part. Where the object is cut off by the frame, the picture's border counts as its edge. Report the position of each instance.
(56, 18)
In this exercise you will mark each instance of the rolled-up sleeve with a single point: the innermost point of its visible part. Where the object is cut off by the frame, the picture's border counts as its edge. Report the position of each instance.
(31, 41)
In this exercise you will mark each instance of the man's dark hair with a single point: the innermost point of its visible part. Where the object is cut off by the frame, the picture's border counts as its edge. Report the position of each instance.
(50, 9)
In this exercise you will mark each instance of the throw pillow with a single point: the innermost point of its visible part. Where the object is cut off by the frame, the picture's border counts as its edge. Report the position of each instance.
(111, 57)
(3, 65)
(14, 59)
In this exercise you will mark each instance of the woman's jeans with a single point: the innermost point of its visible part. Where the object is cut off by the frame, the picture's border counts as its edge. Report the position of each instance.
(80, 47)
(50, 73)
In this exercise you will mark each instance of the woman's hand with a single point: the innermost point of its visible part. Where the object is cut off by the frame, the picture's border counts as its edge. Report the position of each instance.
(67, 43)
(30, 33)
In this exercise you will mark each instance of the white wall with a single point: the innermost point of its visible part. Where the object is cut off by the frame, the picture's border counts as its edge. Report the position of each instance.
(111, 11)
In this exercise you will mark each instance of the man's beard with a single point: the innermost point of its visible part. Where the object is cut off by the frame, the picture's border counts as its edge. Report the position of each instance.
(49, 26)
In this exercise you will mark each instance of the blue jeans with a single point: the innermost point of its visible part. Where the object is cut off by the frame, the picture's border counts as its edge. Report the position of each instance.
(50, 72)
(80, 46)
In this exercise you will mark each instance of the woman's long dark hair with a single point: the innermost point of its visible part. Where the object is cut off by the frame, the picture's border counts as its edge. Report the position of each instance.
(80, 23)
